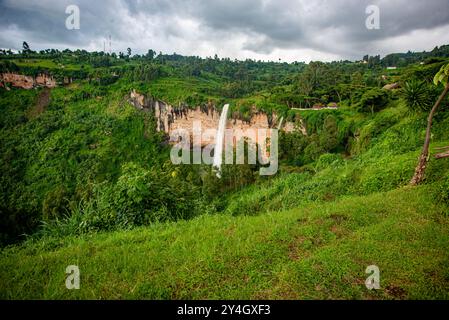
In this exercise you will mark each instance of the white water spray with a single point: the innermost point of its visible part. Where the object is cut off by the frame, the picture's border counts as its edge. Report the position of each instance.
(219, 139)
(280, 123)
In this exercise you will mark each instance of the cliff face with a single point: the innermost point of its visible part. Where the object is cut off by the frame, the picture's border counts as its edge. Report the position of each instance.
(44, 80)
(27, 82)
(170, 118)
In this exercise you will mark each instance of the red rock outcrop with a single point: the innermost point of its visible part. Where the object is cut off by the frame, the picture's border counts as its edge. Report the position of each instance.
(27, 82)
(170, 118)
(44, 80)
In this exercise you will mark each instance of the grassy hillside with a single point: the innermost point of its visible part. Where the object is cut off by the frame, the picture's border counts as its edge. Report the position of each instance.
(319, 251)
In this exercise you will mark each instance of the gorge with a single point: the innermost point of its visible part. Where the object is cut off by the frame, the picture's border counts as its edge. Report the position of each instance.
(170, 118)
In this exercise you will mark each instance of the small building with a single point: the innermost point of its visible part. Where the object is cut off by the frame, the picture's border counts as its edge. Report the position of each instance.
(391, 86)
(332, 105)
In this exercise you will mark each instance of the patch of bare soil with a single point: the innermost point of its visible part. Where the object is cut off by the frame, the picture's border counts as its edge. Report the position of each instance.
(42, 102)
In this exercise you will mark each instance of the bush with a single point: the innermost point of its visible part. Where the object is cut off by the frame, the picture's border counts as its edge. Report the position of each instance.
(55, 204)
(373, 100)
(328, 160)
(142, 196)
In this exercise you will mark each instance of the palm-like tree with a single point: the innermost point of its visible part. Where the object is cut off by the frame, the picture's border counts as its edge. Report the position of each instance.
(416, 96)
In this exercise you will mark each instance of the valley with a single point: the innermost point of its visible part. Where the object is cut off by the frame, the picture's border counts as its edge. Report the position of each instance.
(87, 178)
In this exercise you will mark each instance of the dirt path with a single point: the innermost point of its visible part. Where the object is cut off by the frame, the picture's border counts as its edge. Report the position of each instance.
(42, 102)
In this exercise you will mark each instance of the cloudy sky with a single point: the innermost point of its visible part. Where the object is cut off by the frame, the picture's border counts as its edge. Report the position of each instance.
(291, 30)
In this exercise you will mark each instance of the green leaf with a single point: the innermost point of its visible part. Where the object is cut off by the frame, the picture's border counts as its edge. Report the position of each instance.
(442, 75)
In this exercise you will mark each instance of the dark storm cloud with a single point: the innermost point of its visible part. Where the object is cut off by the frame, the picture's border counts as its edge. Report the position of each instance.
(44, 21)
(336, 28)
(301, 24)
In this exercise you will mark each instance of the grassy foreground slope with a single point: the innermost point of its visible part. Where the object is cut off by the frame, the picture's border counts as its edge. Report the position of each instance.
(319, 251)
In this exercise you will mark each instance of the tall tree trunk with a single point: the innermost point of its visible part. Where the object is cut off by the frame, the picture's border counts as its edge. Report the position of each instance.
(418, 177)
(339, 96)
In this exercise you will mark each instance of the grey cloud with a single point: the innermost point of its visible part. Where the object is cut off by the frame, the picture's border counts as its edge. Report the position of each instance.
(328, 26)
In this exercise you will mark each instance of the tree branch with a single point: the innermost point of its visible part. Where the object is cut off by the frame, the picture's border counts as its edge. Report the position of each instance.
(442, 155)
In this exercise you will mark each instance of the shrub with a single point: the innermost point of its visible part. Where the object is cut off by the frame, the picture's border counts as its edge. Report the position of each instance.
(373, 100)
(55, 204)
(328, 160)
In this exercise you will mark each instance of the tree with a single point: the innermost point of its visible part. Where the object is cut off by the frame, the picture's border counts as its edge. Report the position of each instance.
(441, 77)
(315, 76)
(373, 100)
(373, 61)
(357, 79)
(129, 52)
(329, 135)
(150, 55)
(26, 47)
(416, 96)
(314, 148)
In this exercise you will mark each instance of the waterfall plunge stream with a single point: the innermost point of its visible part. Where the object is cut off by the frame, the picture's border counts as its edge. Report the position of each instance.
(219, 139)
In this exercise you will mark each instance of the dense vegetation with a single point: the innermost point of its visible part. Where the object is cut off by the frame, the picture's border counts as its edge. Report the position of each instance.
(79, 160)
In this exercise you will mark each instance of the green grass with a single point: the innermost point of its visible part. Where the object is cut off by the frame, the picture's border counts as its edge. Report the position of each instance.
(44, 63)
(319, 251)
(180, 90)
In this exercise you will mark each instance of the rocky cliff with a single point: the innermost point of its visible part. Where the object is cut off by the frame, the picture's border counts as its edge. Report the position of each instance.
(170, 118)
(26, 82)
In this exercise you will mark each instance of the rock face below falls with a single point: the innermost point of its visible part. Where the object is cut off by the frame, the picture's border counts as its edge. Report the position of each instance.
(170, 118)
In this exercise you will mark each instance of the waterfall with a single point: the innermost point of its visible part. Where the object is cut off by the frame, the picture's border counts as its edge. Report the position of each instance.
(219, 139)
(280, 123)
